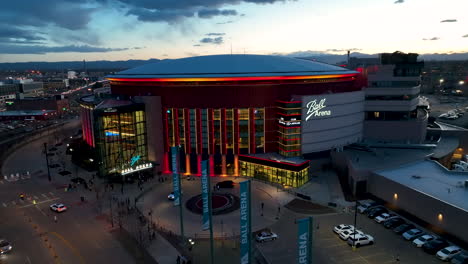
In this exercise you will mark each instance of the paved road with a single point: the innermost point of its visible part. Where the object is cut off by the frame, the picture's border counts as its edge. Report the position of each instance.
(78, 236)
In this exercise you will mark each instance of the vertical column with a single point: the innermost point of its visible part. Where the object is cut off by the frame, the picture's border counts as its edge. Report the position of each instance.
(211, 138)
(199, 131)
(236, 165)
(175, 119)
(252, 145)
(188, 142)
(236, 131)
(211, 159)
(223, 164)
(199, 160)
(166, 167)
(211, 135)
(187, 164)
(223, 132)
(223, 142)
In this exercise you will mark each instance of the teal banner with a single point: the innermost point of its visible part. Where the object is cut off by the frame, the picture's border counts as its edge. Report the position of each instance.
(304, 240)
(205, 185)
(245, 223)
(175, 175)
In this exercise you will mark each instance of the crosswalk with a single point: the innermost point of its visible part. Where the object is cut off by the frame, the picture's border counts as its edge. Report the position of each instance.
(31, 200)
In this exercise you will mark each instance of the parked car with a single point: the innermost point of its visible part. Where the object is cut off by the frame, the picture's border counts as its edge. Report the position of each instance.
(171, 196)
(403, 228)
(266, 236)
(384, 217)
(420, 241)
(413, 234)
(58, 208)
(393, 222)
(364, 205)
(5, 246)
(448, 253)
(435, 245)
(461, 258)
(224, 184)
(376, 212)
(372, 208)
(360, 240)
(339, 228)
(350, 232)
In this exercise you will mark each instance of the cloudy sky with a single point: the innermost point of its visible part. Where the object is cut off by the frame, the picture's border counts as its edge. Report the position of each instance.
(63, 30)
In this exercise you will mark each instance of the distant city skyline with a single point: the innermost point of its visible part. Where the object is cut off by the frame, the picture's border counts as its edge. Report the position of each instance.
(65, 30)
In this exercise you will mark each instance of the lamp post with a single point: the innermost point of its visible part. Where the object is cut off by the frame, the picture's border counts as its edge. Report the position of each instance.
(355, 224)
(47, 161)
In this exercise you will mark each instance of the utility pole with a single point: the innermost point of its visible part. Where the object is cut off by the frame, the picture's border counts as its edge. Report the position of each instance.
(355, 227)
(47, 161)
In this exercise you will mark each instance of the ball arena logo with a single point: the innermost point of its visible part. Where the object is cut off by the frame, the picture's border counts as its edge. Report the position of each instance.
(314, 107)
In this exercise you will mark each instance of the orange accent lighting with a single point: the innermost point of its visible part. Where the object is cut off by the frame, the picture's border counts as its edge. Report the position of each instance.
(223, 79)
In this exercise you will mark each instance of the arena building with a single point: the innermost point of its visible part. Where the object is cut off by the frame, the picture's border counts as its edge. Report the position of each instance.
(249, 115)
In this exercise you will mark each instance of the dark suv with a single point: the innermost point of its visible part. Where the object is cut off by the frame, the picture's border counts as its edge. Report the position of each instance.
(224, 184)
(394, 222)
(403, 228)
(435, 245)
(461, 258)
(376, 212)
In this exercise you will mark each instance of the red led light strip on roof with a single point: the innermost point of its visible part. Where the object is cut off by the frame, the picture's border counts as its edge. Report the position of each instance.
(222, 79)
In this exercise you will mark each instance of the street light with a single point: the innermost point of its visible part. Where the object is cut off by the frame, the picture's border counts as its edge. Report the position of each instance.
(461, 82)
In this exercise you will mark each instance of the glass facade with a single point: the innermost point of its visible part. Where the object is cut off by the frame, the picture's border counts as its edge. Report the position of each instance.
(218, 131)
(293, 177)
(122, 139)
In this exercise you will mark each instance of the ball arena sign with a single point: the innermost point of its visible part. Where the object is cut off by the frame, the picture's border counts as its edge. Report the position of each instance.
(314, 109)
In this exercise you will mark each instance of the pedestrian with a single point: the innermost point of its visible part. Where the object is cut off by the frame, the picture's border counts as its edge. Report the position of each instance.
(55, 218)
(178, 260)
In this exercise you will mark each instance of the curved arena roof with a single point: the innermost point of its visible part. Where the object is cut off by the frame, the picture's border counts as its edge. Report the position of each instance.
(225, 66)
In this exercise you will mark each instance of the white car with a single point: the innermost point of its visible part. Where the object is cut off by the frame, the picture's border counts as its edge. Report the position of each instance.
(448, 253)
(58, 208)
(350, 233)
(171, 196)
(418, 242)
(266, 236)
(412, 234)
(361, 240)
(340, 228)
(384, 217)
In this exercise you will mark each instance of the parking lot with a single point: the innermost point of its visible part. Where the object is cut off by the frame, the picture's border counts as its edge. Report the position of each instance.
(329, 248)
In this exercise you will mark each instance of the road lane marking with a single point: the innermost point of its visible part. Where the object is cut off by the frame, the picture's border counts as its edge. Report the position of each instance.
(13, 202)
(28, 260)
(2, 182)
(40, 210)
(69, 245)
(4, 205)
(35, 197)
(44, 195)
(22, 201)
(51, 193)
(45, 201)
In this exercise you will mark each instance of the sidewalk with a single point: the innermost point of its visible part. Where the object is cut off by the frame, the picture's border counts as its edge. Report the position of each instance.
(323, 188)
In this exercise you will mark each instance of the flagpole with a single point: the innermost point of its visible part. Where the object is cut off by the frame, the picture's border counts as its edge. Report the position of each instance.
(211, 217)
